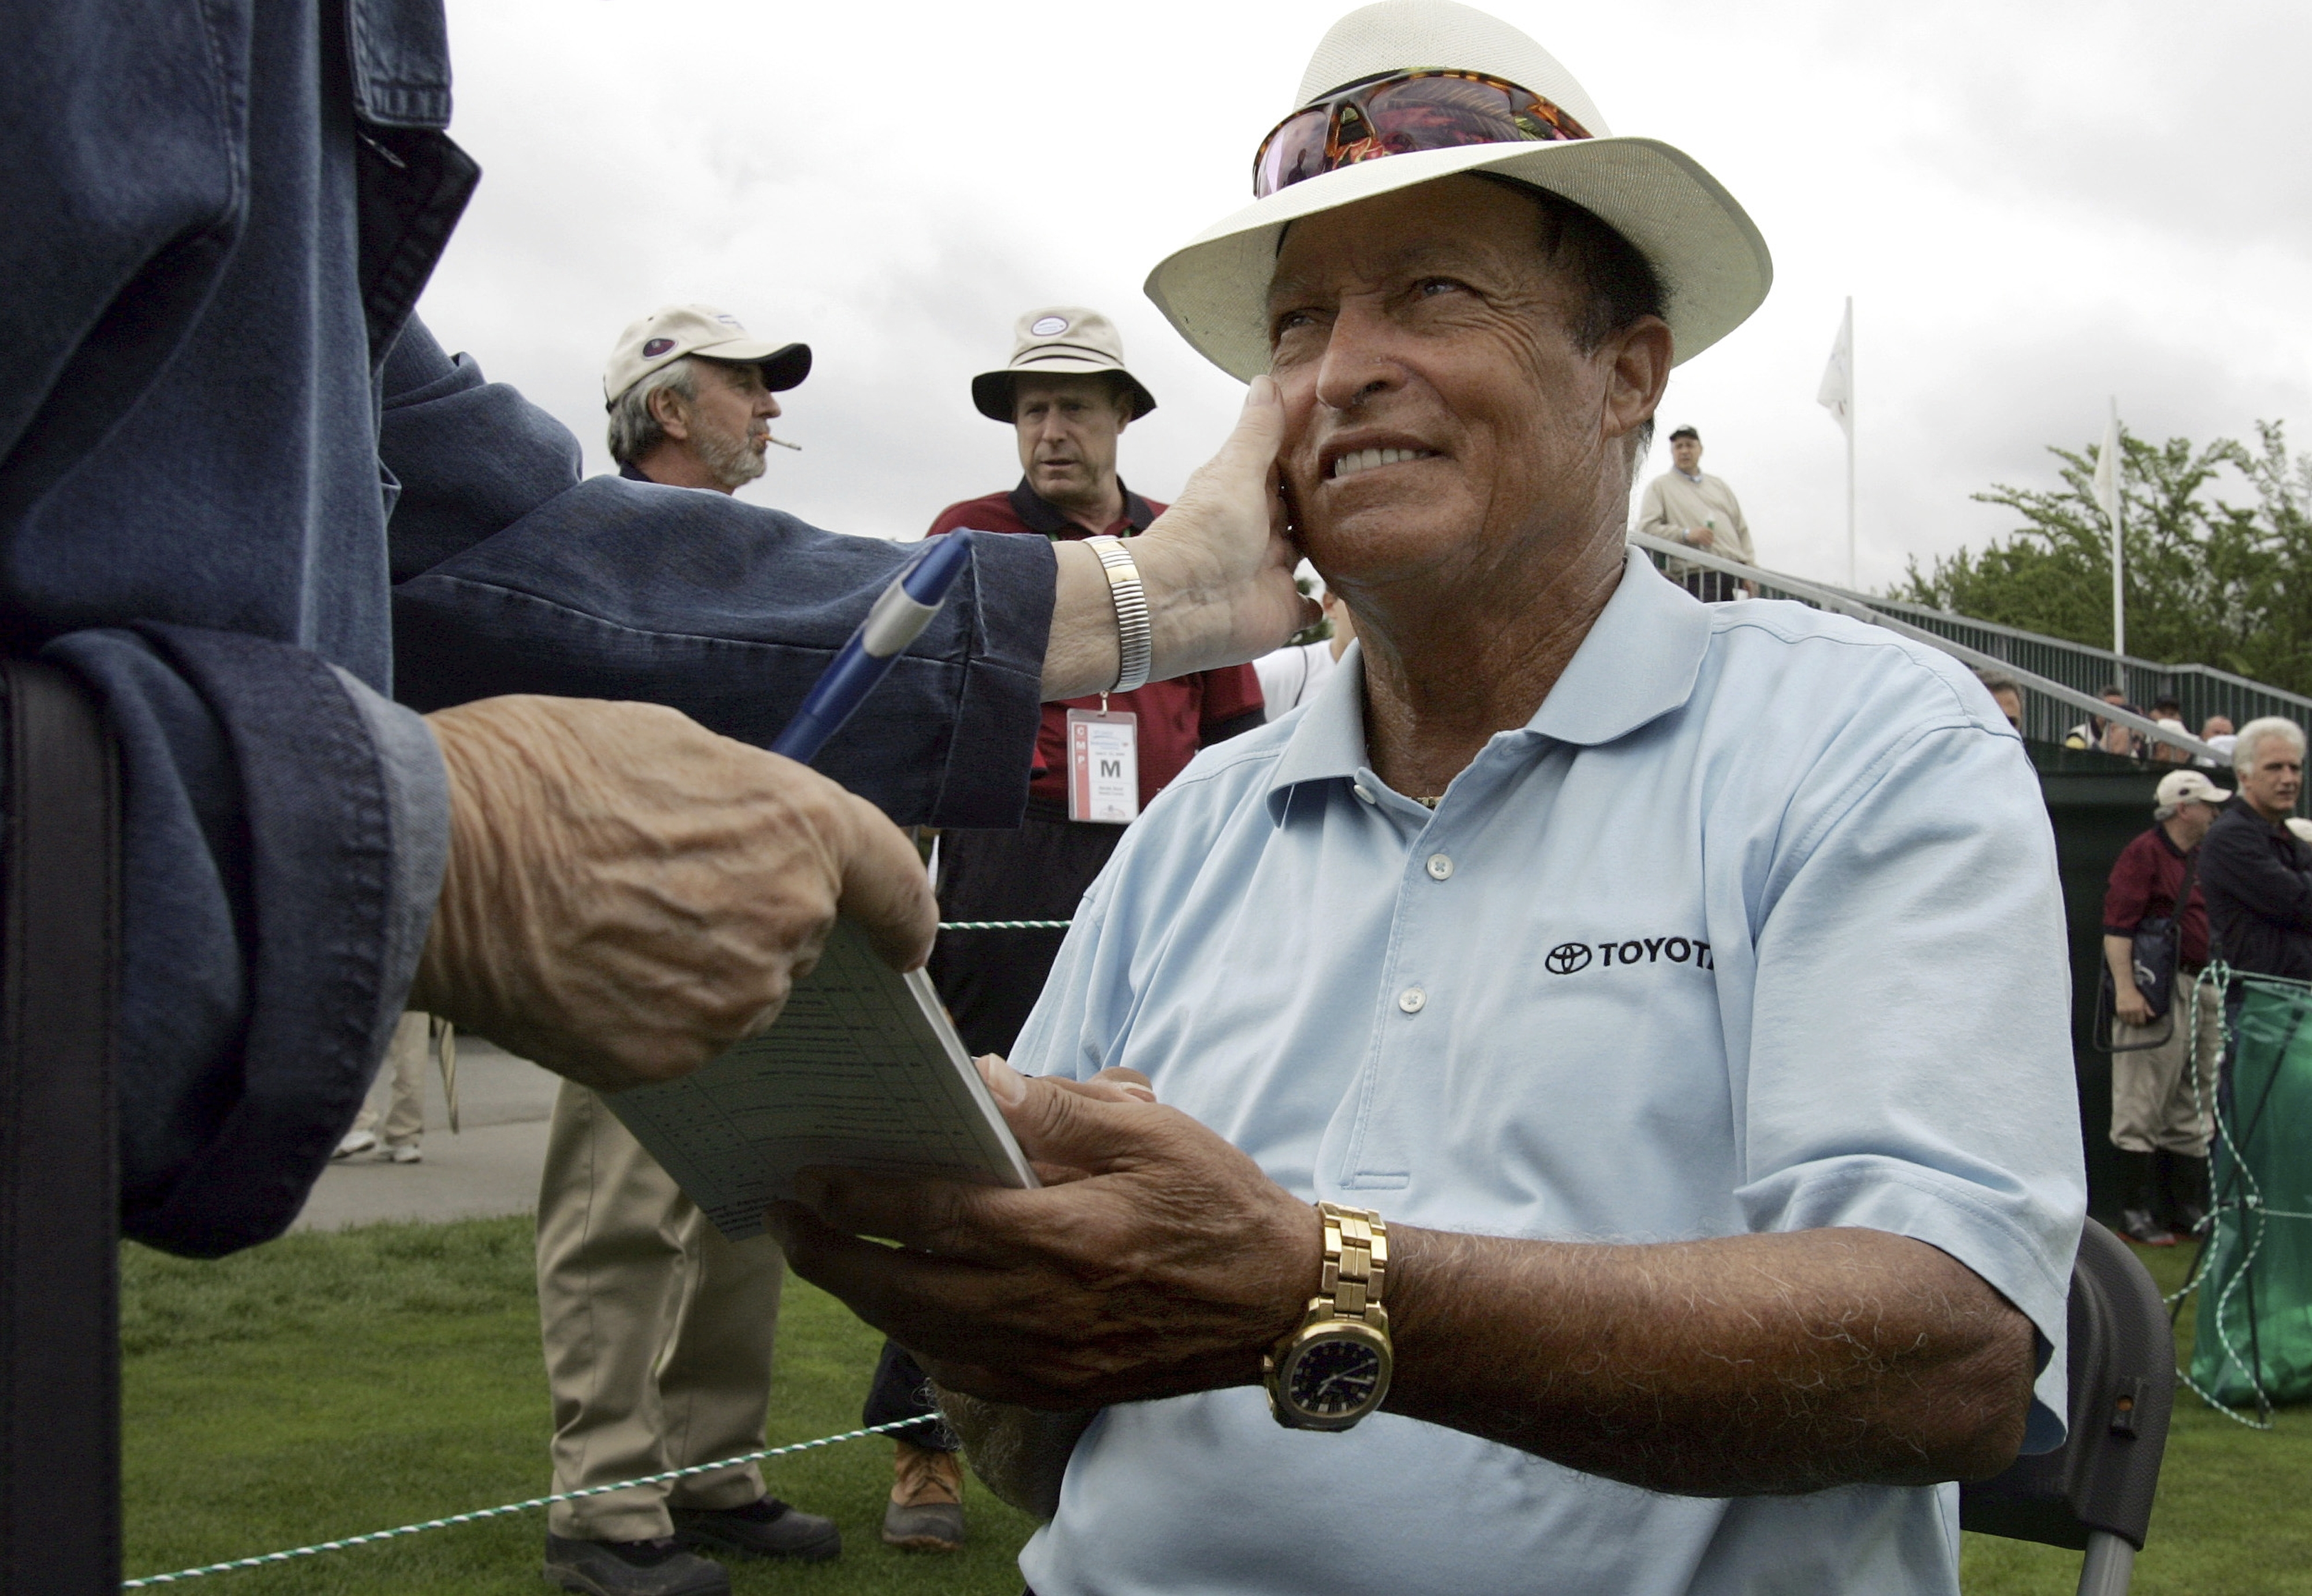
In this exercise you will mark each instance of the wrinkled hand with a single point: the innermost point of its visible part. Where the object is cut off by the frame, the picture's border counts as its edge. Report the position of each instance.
(629, 893)
(1218, 564)
(1158, 1259)
(2132, 1007)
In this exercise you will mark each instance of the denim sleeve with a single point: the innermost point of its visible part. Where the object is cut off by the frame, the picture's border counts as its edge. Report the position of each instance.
(729, 612)
(285, 833)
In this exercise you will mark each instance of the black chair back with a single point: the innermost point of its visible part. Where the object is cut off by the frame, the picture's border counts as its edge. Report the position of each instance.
(2123, 1386)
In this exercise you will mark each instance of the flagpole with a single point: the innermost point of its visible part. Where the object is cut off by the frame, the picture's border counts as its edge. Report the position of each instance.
(2119, 545)
(1850, 445)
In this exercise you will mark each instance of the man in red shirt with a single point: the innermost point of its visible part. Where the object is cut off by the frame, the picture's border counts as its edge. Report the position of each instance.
(2163, 1068)
(1067, 395)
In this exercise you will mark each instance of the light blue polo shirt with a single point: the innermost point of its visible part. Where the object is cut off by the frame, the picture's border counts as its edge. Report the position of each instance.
(1752, 927)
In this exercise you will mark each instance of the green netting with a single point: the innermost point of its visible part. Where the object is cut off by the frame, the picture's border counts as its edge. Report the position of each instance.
(2254, 1344)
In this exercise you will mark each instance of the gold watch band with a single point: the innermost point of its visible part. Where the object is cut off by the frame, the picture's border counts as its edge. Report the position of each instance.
(1356, 1259)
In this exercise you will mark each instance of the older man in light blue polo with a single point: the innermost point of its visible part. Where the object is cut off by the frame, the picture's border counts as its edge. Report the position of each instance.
(1584, 1103)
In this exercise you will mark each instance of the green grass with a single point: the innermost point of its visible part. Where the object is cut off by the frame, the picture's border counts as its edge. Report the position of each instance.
(330, 1384)
(325, 1385)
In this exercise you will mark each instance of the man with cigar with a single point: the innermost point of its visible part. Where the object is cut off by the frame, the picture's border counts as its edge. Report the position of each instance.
(1506, 1124)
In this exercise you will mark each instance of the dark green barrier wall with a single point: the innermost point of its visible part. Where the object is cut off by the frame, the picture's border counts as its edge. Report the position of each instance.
(2098, 802)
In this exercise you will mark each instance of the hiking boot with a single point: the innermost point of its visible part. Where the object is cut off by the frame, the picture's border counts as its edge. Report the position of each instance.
(926, 1510)
(632, 1568)
(768, 1527)
(2142, 1229)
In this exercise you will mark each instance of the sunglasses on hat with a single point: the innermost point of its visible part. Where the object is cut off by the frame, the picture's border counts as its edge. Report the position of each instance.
(1402, 113)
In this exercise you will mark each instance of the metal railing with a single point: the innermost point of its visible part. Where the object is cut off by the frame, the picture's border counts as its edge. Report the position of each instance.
(2061, 681)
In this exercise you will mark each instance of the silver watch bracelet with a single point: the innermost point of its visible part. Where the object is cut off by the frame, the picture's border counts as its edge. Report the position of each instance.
(1135, 643)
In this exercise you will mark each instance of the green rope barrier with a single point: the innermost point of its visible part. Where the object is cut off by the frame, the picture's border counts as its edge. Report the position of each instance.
(478, 1514)
(1004, 925)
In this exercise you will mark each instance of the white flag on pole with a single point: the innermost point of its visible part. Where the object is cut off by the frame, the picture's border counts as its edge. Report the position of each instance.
(1837, 394)
(2107, 471)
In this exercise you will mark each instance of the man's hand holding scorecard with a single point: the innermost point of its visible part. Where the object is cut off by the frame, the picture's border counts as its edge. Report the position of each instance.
(862, 1070)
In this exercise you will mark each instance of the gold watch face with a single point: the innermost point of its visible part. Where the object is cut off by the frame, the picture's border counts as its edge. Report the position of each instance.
(1334, 1376)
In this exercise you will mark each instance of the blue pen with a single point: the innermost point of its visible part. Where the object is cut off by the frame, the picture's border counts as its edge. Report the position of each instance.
(897, 619)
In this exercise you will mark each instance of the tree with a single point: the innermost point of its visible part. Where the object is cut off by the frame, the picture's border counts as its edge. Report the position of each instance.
(2209, 582)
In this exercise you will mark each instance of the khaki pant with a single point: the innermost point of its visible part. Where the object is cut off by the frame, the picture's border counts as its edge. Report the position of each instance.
(658, 1331)
(2154, 1108)
(396, 1105)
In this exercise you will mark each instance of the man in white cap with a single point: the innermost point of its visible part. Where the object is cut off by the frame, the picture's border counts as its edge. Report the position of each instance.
(2165, 1040)
(690, 397)
(1586, 955)
(658, 1331)
(1068, 397)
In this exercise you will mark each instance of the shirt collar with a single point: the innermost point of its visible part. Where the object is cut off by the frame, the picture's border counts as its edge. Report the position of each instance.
(1039, 514)
(626, 469)
(1638, 662)
(1693, 477)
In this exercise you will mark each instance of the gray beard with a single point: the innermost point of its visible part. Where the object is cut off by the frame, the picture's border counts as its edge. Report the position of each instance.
(730, 461)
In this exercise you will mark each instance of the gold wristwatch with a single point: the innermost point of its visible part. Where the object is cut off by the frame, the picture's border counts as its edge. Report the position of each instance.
(1333, 1368)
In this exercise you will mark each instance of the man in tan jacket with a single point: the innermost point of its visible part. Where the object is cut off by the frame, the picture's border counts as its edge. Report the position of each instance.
(1686, 506)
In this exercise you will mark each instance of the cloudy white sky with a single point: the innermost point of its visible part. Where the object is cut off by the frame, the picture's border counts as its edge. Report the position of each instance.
(2035, 203)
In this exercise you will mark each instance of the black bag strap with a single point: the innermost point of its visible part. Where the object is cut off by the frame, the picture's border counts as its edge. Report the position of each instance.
(59, 1188)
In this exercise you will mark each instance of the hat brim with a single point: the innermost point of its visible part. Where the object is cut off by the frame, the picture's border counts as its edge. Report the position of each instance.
(785, 365)
(1713, 265)
(992, 391)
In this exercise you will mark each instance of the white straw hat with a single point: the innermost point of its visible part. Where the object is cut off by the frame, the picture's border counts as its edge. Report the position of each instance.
(1712, 265)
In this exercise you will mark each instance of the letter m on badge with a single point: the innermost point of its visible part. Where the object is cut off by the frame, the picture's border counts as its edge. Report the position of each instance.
(1103, 766)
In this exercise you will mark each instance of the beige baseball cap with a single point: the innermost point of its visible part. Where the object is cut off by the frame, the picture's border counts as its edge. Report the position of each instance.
(1055, 340)
(671, 331)
(2179, 787)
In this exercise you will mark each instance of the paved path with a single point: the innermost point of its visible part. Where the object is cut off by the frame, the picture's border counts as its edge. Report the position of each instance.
(490, 1167)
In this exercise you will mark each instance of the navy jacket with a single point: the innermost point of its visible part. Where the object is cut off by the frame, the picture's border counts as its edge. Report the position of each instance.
(214, 224)
(2258, 880)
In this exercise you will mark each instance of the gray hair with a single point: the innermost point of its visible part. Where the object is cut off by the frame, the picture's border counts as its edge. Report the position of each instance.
(2257, 731)
(634, 432)
(1998, 681)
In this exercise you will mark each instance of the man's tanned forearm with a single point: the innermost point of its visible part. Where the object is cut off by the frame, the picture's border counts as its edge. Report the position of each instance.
(1021, 1455)
(1759, 1365)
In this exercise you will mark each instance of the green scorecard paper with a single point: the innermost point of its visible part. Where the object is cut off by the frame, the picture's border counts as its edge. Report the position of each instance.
(864, 1070)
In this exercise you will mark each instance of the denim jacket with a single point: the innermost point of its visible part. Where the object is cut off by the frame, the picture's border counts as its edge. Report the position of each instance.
(214, 223)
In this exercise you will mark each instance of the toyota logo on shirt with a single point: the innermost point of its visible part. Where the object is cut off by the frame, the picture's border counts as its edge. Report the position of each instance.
(1571, 958)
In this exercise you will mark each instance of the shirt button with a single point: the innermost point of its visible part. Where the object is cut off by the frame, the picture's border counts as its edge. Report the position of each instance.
(1362, 792)
(1412, 1000)
(1439, 866)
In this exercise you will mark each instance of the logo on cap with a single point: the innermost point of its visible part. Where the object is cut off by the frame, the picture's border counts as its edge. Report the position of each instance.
(656, 348)
(1049, 326)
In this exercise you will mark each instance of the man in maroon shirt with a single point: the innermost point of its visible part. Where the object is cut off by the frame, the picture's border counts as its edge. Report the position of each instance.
(1067, 395)
(2163, 1084)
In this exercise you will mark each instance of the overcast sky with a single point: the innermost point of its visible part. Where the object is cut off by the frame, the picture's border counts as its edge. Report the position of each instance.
(2034, 205)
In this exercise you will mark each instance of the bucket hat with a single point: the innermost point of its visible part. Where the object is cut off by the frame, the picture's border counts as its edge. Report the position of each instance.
(671, 331)
(1054, 340)
(1712, 265)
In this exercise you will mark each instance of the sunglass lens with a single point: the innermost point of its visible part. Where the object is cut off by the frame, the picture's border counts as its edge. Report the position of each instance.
(1437, 113)
(1294, 152)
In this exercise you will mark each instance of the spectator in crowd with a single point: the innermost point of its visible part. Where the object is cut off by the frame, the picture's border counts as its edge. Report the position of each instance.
(2217, 733)
(2163, 1068)
(2258, 876)
(2168, 753)
(1728, 1146)
(658, 1331)
(2005, 692)
(2109, 736)
(1687, 505)
(1289, 675)
(391, 1123)
(690, 407)
(1068, 397)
